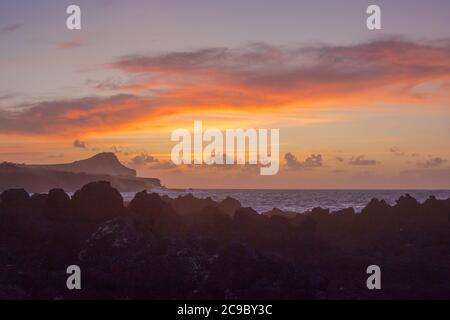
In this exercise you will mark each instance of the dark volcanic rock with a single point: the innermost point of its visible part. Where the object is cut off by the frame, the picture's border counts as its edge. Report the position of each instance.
(111, 241)
(58, 205)
(346, 211)
(14, 197)
(21, 217)
(152, 212)
(376, 207)
(320, 211)
(188, 204)
(98, 202)
(229, 205)
(210, 222)
(187, 248)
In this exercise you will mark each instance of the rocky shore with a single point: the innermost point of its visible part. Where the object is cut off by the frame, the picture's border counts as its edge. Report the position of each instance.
(187, 248)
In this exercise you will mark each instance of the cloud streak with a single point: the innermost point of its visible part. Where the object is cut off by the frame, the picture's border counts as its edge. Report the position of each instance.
(69, 44)
(255, 78)
(385, 70)
(362, 161)
(435, 162)
(66, 117)
(10, 28)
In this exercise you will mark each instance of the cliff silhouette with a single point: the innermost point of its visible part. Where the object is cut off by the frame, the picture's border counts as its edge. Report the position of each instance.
(187, 248)
(101, 163)
(72, 176)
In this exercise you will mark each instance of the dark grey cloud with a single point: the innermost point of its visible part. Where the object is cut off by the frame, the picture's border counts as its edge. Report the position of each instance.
(333, 68)
(396, 151)
(174, 61)
(108, 84)
(147, 161)
(361, 161)
(7, 96)
(313, 161)
(10, 28)
(433, 162)
(142, 159)
(80, 144)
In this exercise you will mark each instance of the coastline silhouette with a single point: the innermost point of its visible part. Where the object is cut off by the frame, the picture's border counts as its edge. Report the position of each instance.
(72, 176)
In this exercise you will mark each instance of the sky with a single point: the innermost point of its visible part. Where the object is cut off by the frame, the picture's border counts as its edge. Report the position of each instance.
(356, 108)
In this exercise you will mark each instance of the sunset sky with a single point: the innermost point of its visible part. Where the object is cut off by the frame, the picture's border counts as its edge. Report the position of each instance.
(355, 108)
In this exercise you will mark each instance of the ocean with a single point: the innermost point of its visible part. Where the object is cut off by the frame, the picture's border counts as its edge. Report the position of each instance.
(301, 200)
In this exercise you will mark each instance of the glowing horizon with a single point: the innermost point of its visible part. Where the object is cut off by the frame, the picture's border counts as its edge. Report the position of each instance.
(373, 105)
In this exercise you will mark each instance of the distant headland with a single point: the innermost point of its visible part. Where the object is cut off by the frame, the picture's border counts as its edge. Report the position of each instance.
(72, 176)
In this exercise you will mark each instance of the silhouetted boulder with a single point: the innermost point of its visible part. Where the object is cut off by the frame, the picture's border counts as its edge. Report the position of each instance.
(407, 201)
(407, 206)
(98, 202)
(376, 207)
(434, 211)
(58, 197)
(14, 197)
(188, 204)
(247, 214)
(38, 200)
(21, 217)
(152, 212)
(58, 205)
(248, 220)
(145, 207)
(279, 222)
(229, 205)
(318, 211)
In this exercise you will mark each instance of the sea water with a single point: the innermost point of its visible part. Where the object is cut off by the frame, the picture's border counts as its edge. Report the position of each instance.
(301, 200)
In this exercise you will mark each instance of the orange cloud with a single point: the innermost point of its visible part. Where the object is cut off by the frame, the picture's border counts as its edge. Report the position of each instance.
(384, 71)
(69, 44)
(257, 78)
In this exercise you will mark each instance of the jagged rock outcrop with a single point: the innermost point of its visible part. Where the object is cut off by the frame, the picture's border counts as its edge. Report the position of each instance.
(188, 204)
(151, 212)
(97, 202)
(149, 250)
